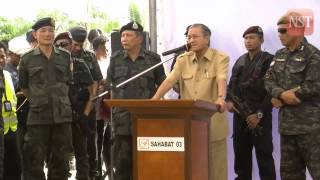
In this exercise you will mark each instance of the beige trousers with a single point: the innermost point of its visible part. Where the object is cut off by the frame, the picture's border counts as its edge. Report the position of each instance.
(218, 161)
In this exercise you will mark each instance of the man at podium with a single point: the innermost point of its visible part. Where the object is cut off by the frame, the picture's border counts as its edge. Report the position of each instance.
(202, 74)
(123, 65)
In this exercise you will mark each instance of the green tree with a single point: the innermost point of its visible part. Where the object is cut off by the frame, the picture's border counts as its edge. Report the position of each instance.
(134, 13)
(101, 20)
(10, 28)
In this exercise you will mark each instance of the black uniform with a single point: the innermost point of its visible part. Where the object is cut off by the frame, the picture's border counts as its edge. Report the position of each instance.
(247, 87)
(121, 68)
(79, 95)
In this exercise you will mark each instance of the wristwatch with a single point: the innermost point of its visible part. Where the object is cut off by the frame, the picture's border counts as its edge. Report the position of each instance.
(260, 114)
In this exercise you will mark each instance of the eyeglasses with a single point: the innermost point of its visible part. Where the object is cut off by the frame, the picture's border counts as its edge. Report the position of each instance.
(63, 44)
(282, 30)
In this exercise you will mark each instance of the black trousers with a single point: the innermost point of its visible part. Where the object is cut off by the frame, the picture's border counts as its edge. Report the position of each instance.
(104, 146)
(91, 144)
(12, 166)
(244, 140)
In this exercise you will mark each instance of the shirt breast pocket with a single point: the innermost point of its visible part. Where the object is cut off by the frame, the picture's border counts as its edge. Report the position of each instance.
(61, 72)
(36, 75)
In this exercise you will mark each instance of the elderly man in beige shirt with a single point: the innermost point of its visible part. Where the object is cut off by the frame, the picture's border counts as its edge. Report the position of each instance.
(202, 74)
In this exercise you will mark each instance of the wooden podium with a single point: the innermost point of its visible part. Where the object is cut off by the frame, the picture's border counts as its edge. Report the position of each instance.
(170, 138)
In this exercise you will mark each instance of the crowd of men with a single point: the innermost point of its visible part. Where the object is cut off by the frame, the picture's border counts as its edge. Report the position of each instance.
(49, 116)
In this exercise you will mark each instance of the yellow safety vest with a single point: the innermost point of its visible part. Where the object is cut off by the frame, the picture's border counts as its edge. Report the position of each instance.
(9, 118)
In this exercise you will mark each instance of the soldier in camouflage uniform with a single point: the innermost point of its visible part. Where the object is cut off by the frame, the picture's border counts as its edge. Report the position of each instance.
(86, 157)
(44, 73)
(293, 80)
(123, 65)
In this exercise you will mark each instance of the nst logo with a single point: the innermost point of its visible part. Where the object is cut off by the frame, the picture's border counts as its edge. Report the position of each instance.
(301, 22)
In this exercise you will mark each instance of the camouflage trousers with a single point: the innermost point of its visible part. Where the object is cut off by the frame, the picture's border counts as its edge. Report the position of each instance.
(122, 157)
(41, 140)
(297, 153)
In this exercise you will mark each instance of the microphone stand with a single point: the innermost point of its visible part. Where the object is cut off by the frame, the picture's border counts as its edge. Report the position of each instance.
(110, 89)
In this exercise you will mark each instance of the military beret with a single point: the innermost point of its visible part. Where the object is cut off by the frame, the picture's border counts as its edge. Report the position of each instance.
(29, 37)
(132, 26)
(63, 35)
(253, 29)
(78, 34)
(47, 21)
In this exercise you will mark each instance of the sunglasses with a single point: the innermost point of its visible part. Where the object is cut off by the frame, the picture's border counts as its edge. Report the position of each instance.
(282, 30)
(63, 44)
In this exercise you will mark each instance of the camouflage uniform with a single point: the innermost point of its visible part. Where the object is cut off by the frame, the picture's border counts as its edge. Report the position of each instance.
(299, 125)
(120, 69)
(49, 117)
(84, 143)
(246, 83)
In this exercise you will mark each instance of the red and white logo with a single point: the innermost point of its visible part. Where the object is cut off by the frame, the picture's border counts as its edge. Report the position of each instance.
(301, 22)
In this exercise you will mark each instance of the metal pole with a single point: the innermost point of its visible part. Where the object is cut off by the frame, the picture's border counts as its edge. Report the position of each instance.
(153, 24)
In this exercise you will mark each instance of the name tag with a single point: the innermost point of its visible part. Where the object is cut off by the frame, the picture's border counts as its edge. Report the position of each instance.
(166, 144)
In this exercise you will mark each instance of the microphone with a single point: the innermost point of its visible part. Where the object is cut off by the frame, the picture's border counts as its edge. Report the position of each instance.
(184, 47)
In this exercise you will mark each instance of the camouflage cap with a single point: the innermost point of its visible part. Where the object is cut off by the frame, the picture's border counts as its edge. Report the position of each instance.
(253, 29)
(47, 21)
(132, 26)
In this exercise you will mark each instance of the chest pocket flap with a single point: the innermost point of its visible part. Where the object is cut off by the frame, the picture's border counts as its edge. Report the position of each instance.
(187, 76)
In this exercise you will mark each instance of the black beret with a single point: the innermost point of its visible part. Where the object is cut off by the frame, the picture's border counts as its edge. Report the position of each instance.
(78, 34)
(63, 35)
(253, 29)
(29, 37)
(132, 26)
(47, 21)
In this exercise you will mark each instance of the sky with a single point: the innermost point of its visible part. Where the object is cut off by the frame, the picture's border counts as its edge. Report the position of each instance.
(76, 9)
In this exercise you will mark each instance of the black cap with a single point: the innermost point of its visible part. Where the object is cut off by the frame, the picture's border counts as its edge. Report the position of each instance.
(29, 37)
(47, 21)
(253, 29)
(78, 34)
(132, 26)
(63, 35)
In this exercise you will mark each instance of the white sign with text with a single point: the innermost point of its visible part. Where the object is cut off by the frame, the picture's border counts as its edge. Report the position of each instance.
(160, 144)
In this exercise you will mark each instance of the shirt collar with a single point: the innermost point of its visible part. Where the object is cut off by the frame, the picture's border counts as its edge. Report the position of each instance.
(207, 55)
(37, 50)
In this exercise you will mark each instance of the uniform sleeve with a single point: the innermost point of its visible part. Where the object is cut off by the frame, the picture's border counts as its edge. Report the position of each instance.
(270, 82)
(159, 73)
(222, 70)
(110, 73)
(311, 85)
(23, 75)
(233, 82)
(96, 74)
(175, 74)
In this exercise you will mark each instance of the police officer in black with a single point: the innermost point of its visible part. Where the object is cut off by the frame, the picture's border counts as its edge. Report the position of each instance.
(123, 65)
(252, 119)
(86, 155)
(44, 77)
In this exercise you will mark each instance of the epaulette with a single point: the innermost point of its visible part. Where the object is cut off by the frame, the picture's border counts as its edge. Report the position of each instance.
(26, 53)
(152, 54)
(116, 54)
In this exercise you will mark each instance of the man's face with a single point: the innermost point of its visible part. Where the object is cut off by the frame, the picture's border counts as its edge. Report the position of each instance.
(65, 44)
(2, 57)
(76, 47)
(130, 39)
(45, 35)
(14, 58)
(285, 38)
(252, 41)
(197, 40)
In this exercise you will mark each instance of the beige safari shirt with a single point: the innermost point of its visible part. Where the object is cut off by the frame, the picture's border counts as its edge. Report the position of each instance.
(198, 79)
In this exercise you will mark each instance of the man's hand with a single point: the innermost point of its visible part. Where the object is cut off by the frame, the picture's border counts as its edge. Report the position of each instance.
(276, 103)
(230, 107)
(222, 104)
(289, 97)
(252, 121)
